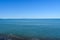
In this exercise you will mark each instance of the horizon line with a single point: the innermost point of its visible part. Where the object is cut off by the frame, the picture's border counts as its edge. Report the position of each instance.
(29, 18)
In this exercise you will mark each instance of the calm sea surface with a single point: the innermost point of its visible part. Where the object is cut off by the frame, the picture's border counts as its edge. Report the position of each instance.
(31, 27)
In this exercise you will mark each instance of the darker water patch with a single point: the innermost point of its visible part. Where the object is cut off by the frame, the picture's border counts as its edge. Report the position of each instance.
(14, 37)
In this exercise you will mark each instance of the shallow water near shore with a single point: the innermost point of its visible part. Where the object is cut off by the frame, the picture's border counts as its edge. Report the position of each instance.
(37, 28)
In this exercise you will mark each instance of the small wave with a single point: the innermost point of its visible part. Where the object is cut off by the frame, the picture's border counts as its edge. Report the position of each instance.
(33, 24)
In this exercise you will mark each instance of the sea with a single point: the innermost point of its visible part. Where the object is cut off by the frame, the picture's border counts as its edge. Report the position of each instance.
(31, 27)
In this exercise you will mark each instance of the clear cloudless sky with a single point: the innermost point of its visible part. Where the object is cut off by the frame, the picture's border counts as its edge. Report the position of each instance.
(29, 8)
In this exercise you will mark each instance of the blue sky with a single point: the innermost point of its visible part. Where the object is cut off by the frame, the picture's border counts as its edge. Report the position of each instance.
(29, 8)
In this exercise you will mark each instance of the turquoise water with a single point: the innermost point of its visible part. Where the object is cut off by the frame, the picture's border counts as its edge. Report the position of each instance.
(31, 27)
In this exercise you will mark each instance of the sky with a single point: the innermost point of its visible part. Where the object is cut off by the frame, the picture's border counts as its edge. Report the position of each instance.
(29, 8)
